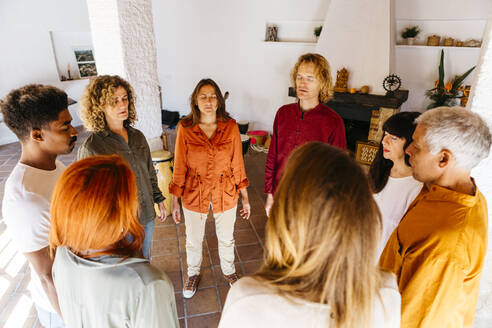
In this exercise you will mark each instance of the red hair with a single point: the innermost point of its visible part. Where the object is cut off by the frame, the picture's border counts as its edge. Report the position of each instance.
(95, 207)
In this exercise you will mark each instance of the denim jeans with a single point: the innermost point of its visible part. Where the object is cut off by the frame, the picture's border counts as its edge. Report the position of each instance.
(49, 319)
(147, 243)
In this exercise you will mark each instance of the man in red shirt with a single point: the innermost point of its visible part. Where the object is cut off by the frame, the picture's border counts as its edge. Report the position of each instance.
(309, 119)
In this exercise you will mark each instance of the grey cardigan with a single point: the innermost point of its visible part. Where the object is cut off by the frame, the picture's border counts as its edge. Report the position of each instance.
(137, 153)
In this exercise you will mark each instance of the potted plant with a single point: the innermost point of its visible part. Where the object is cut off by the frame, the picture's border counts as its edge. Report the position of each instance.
(410, 33)
(446, 94)
(317, 31)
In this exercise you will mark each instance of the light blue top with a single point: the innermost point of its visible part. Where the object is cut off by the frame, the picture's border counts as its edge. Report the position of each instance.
(110, 292)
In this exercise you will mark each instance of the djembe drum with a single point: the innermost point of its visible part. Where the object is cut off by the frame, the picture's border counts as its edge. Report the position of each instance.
(163, 165)
(246, 141)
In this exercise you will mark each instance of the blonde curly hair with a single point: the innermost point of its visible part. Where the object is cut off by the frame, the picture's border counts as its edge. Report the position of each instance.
(97, 95)
(322, 71)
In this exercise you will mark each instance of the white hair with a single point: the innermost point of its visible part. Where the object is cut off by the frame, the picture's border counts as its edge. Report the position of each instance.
(464, 133)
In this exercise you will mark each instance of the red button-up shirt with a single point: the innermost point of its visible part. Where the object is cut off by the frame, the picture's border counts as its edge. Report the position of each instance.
(293, 128)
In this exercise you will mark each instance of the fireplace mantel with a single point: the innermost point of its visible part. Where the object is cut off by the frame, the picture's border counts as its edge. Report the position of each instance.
(358, 106)
(389, 100)
(356, 110)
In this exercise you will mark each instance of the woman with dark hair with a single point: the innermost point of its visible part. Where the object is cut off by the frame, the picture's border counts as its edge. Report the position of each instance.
(321, 238)
(100, 279)
(208, 173)
(391, 175)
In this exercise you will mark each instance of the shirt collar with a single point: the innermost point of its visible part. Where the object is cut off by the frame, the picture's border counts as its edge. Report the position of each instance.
(439, 193)
(220, 127)
(107, 132)
(315, 109)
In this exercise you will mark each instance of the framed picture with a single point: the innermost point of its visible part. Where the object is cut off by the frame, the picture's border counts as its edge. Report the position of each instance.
(86, 63)
(87, 69)
(83, 55)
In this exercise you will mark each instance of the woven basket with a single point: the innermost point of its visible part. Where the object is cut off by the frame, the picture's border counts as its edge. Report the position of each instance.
(433, 40)
(448, 42)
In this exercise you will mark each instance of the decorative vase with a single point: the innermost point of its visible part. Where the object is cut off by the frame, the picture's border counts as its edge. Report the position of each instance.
(410, 41)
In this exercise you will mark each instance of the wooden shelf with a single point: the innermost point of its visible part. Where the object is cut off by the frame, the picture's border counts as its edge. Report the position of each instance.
(389, 100)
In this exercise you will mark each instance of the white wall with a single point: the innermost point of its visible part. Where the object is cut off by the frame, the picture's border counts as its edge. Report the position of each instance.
(64, 44)
(418, 67)
(27, 52)
(357, 36)
(223, 39)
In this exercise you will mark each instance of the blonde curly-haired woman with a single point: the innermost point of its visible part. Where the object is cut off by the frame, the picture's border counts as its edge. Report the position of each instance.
(321, 241)
(107, 109)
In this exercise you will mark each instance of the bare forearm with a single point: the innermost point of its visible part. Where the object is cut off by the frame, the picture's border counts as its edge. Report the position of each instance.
(42, 263)
(49, 288)
(244, 194)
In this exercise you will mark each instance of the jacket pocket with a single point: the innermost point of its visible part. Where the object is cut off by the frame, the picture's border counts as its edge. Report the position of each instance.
(192, 182)
(228, 184)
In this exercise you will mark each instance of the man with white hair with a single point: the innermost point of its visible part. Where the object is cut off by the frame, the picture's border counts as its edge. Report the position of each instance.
(437, 251)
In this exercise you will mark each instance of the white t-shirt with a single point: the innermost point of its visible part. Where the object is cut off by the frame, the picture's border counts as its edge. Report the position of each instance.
(26, 210)
(251, 303)
(393, 202)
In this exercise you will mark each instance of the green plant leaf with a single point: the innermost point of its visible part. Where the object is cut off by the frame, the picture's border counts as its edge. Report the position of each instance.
(459, 79)
(410, 32)
(441, 71)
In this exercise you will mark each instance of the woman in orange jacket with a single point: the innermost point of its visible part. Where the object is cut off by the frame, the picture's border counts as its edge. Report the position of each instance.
(208, 173)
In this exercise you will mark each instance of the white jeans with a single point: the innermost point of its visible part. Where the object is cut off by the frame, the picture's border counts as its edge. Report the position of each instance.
(195, 230)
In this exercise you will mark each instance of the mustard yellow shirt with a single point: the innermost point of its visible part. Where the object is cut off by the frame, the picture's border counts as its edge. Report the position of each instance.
(437, 254)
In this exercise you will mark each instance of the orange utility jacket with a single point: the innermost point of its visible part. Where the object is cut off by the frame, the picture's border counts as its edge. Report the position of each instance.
(208, 170)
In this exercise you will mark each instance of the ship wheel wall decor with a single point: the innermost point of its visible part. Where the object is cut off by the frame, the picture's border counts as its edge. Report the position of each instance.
(392, 83)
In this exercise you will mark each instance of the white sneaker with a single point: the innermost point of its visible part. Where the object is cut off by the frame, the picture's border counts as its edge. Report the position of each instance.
(191, 286)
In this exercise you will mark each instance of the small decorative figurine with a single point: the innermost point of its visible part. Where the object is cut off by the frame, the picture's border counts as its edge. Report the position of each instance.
(391, 83)
(68, 72)
(364, 89)
(342, 78)
(271, 33)
(472, 43)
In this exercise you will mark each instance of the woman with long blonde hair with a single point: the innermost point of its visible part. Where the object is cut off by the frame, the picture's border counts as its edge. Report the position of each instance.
(99, 276)
(321, 242)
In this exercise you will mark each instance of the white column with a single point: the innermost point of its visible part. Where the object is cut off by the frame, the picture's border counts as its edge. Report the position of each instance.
(480, 102)
(124, 44)
(358, 35)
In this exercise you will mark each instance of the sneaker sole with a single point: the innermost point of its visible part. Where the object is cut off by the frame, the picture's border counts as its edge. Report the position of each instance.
(187, 295)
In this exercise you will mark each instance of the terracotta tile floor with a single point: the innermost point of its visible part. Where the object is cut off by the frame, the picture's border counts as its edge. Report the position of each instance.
(168, 254)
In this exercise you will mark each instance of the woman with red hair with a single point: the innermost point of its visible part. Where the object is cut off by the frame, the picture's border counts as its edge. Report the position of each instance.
(97, 237)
